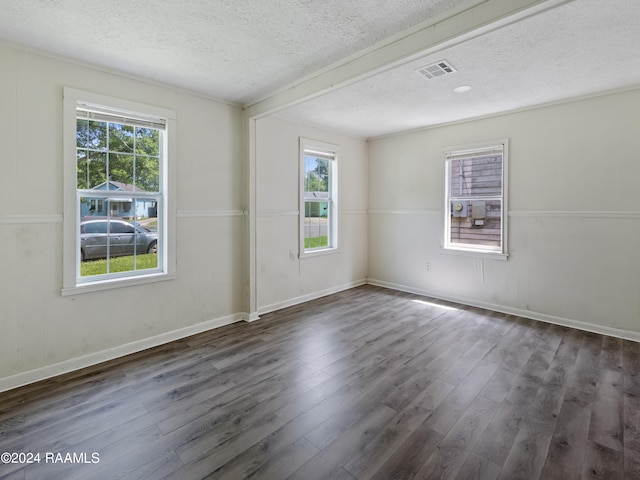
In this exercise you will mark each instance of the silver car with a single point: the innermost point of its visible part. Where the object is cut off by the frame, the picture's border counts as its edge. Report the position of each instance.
(123, 238)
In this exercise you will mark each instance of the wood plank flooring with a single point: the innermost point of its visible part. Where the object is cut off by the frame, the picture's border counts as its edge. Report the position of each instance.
(364, 384)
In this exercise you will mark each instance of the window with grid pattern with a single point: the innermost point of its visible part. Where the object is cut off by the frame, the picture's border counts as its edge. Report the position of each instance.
(116, 181)
(475, 203)
(318, 197)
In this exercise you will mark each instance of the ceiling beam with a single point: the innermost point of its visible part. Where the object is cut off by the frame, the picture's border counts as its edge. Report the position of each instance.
(427, 38)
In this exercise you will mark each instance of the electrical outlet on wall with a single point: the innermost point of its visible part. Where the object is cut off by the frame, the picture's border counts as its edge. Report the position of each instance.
(428, 265)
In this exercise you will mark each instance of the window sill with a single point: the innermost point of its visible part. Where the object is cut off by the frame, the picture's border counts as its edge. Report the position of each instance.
(316, 253)
(487, 254)
(117, 283)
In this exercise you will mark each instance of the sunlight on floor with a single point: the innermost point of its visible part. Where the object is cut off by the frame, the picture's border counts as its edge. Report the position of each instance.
(443, 307)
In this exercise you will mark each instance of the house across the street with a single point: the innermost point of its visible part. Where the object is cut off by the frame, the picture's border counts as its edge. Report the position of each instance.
(129, 208)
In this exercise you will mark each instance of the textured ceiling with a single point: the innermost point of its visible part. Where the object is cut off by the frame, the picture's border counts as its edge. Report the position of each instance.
(237, 50)
(244, 50)
(577, 49)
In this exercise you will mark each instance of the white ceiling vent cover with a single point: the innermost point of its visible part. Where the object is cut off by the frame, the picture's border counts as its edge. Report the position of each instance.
(437, 69)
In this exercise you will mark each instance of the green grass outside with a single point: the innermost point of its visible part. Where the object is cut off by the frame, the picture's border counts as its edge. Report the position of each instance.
(316, 242)
(118, 264)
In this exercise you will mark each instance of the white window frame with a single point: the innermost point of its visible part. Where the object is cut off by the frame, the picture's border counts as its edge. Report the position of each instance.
(466, 151)
(73, 283)
(324, 150)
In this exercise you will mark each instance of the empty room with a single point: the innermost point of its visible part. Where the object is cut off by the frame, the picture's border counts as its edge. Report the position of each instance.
(320, 239)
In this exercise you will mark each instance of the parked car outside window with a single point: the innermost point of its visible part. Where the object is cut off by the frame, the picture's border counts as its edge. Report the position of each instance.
(102, 238)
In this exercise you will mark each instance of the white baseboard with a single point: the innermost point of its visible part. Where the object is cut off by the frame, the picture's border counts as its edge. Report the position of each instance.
(311, 296)
(66, 366)
(543, 317)
(31, 376)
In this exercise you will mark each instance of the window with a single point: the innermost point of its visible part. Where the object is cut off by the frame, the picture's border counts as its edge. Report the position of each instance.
(475, 203)
(318, 197)
(116, 187)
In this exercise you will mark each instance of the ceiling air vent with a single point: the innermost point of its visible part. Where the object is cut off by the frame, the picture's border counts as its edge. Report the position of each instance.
(437, 69)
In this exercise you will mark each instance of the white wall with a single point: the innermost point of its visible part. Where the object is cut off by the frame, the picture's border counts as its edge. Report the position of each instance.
(42, 332)
(574, 220)
(574, 224)
(281, 277)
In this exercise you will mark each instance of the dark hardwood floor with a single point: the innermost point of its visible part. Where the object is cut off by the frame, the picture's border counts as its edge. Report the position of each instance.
(365, 384)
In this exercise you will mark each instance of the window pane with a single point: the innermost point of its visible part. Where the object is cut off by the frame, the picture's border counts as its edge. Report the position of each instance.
(110, 244)
(147, 234)
(95, 227)
(121, 227)
(316, 177)
(316, 224)
(477, 176)
(91, 134)
(121, 138)
(147, 173)
(479, 225)
(96, 249)
(147, 141)
(121, 170)
(93, 207)
(319, 197)
(137, 167)
(119, 157)
(97, 169)
(92, 169)
(147, 209)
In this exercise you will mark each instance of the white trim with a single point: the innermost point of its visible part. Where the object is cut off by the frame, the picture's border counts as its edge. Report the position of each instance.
(249, 184)
(282, 115)
(404, 212)
(30, 219)
(476, 253)
(318, 252)
(525, 213)
(354, 212)
(576, 214)
(482, 150)
(82, 97)
(278, 213)
(111, 283)
(77, 363)
(212, 213)
(369, 50)
(542, 317)
(496, 147)
(111, 71)
(308, 297)
(529, 108)
(434, 35)
(72, 281)
(295, 213)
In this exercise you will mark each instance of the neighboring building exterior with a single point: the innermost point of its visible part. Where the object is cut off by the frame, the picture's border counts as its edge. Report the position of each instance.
(124, 208)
